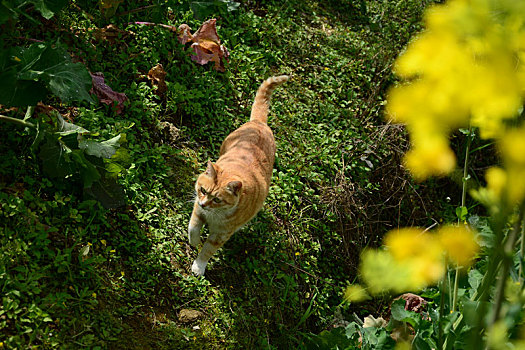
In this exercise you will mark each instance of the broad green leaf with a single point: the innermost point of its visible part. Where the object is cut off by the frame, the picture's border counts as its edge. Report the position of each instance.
(52, 66)
(70, 81)
(471, 310)
(105, 149)
(377, 338)
(48, 8)
(88, 172)
(400, 314)
(40, 133)
(18, 93)
(203, 9)
(474, 279)
(108, 192)
(65, 128)
(114, 168)
(332, 339)
(122, 156)
(55, 161)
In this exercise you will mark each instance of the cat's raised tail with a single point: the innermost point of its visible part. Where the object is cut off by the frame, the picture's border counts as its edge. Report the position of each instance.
(261, 103)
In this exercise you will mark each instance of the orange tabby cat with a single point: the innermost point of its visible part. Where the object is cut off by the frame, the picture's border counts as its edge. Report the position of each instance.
(232, 191)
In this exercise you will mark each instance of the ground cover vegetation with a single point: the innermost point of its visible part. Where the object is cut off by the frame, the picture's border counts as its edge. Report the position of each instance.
(96, 180)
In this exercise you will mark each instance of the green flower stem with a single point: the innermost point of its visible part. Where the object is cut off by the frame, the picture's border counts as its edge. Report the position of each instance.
(17, 121)
(455, 293)
(463, 200)
(465, 169)
(442, 309)
(522, 247)
(508, 250)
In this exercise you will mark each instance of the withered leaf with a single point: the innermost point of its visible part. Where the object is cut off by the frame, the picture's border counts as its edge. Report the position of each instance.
(206, 44)
(105, 94)
(184, 34)
(157, 76)
(413, 302)
(110, 33)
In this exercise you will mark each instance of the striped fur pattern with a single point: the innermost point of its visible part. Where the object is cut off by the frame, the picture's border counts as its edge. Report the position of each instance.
(232, 191)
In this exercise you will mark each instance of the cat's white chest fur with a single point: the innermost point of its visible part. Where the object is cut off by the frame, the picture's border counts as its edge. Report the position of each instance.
(216, 219)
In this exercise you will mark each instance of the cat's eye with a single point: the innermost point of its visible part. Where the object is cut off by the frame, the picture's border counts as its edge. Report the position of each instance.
(203, 191)
(216, 200)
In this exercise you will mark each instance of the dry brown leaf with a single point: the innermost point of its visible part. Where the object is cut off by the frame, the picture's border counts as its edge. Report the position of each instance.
(157, 76)
(206, 44)
(105, 94)
(184, 34)
(110, 33)
(413, 302)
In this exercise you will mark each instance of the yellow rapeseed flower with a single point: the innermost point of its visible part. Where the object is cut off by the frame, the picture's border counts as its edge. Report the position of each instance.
(513, 147)
(419, 252)
(459, 244)
(497, 335)
(432, 158)
(466, 68)
(496, 182)
(382, 273)
(407, 243)
(508, 185)
(356, 293)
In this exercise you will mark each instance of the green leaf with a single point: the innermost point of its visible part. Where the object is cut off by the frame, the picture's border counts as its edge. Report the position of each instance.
(48, 8)
(108, 192)
(40, 133)
(461, 213)
(474, 279)
(14, 92)
(377, 338)
(56, 162)
(203, 9)
(88, 172)
(65, 128)
(471, 310)
(52, 66)
(70, 81)
(333, 339)
(122, 156)
(105, 149)
(400, 314)
(114, 168)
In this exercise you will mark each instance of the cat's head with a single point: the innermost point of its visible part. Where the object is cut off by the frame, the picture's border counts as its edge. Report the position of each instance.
(216, 191)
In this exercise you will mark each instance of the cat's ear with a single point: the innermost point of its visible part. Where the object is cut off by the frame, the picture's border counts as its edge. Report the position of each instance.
(234, 187)
(210, 170)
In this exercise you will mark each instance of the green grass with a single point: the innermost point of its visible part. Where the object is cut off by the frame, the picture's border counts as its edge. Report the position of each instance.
(73, 274)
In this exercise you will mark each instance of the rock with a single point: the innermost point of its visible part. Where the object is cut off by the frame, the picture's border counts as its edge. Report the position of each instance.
(189, 316)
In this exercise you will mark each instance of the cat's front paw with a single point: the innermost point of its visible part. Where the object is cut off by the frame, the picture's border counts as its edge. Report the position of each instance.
(194, 236)
(198, 268)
